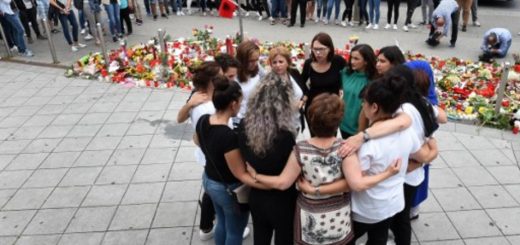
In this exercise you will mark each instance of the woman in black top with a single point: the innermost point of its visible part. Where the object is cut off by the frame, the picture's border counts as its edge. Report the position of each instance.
(322, 68)
(266, 138)
(224, 169)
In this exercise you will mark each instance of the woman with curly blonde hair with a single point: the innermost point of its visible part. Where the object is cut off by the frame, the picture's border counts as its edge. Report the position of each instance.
(266, 138)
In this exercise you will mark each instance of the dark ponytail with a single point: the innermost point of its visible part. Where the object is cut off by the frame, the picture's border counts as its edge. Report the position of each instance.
(225, 92)
(386, 92)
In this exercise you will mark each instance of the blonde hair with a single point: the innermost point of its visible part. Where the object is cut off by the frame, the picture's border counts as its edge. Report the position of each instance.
(280, 50)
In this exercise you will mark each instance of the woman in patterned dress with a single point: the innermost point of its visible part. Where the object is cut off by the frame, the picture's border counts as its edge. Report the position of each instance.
(322, 215)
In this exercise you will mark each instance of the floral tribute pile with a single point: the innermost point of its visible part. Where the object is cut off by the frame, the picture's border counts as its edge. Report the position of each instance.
(466, 89)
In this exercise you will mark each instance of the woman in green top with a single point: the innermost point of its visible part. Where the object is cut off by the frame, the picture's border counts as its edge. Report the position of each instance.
(360, 69)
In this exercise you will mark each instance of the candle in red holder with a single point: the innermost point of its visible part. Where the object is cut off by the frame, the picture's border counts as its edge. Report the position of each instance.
(156, 84)
(229, 46)
(515, 130)
(147, 83)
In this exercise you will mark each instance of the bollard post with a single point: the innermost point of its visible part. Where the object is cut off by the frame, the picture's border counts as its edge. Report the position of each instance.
(99, 30)
(162, 45)
(502, 86)
(51, 41)
(9, 54)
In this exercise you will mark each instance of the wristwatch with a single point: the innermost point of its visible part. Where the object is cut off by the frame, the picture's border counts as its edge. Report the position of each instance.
(366, 137)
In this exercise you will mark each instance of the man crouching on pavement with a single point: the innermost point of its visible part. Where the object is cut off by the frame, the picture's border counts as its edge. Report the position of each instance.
(496, 43)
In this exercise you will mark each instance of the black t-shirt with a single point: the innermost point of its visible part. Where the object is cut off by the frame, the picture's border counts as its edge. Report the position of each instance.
(215, 141)
(326, 82)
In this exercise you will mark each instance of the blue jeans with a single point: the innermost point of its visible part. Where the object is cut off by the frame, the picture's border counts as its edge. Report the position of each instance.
(373, 11)
(278, 7)
(321, 7)
(65, 26)
(176, 5)
(113, 18)
(81, 16)
(336, 8)
(231, 221)
(363, 14)
(15, 30)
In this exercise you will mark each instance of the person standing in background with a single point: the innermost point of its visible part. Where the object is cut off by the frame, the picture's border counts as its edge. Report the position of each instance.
(28, 15)
(465, 6)
(474, 16)
(427, 8)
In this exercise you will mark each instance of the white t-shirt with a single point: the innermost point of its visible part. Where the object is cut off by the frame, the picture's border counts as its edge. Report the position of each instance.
(386, 198)
(297, 94)
(247, 88)
(416, 177)
(195, 113)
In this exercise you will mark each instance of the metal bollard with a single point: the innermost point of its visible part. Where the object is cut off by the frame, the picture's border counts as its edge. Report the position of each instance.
(103, 44)
(162, 44)
(502, 86)
(9, 54)
(51, 42)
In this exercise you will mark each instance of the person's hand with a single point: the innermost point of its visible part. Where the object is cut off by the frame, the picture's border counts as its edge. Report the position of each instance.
(250, 170)
(304, 185)
(350, 145)
(198, 98)
(394, 168)
(300, 104)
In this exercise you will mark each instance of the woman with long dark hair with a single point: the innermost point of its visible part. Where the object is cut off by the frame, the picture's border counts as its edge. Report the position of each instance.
(389, 57)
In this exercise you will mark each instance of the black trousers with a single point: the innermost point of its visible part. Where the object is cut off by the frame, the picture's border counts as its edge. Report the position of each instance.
(294, 6)
(273, 213)
(410, 8)
(261, 5)
(401, 221)
(125, 16)
(395, 5)
(29, 15)
(454, 27)
(207, 213)
(377, 233)
(348, 10)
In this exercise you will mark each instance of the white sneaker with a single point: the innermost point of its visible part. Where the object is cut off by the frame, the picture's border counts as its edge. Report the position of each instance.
(178, 13)
(368, 26)
(203, 236)
(405, 28)
(246, 233)
(74, 48)
(14, 49)
(387, 26)
(476, 23)
(351, 23)
(27, 53)
(260, 18)
(81, 45)
(271, 18)
(395, 27)
(337, 22)
(376, 26)
(325, 22)
(412, 26)
(83, 31)
(88, 37)
(344, 24)
(316, 20)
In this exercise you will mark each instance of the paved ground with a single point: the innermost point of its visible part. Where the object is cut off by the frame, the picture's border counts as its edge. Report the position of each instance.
(85, 162)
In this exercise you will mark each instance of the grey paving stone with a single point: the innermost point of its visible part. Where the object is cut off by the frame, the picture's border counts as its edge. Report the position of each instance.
(60, 160)
(105, 195)
(90, 238)
(492, 157)
(5, 195)
(50, 109)
(184, 213)
(8, 240)
(163, 141)
(13, 179)
(28, 199)
(506, 174)
(443, 178)
(116, 129)
(473, 224)
(40, 120)
(514, 191)
(62, 99)
(78, 107)
(167, 235)
(506, 219)
(182, 191)
(5, 160)
(493, 196)
(26, 133)
(127, 156)
(137, 237)
(13, 121)
(27, 161)
(45, 178)
(514, 239)
(137, 141)
(474, 142)
(141, 128)
(143, 193)
(129, 107)
(509, 154)
(65, 197)
(13, 146)
(91, 219)
(73, 144)
(38, 240)
(55, 131)
(104, 143)
(186, 154)
(94, 118)
(42, 145)
(81, 176)
(67, 119)
(475, 176)
(434, 227)
(48, 221)
(447, 197)
(116, 175)
(151, 173)
(186, 171)
(121, 117)
(103, 107)
(500, 143)
(499, 240)
(93, 158)
(456, 159)
(159, 155)
(13, 222)
(430, 205)
(84, 130)
(133, 217)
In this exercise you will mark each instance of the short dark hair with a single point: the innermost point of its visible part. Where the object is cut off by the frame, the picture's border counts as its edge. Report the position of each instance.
(204, 74)
(325, 114)
(225, 92)
(386, 92)
(422, 82)
(226, 61)
(326, 40)
(393, 54)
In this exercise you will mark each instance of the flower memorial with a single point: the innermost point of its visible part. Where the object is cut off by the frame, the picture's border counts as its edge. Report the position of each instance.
(467, 90)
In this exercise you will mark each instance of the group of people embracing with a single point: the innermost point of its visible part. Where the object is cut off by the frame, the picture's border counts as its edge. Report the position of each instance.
(322, 190)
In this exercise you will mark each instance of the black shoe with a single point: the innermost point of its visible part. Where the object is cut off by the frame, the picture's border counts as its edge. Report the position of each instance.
(463, 29)
(302, 25)
(422, 23)
(41, 37)
(164, 16)
(155, 17)
(114, 38)
(30, 40)
(452, 45)
(290, 25)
